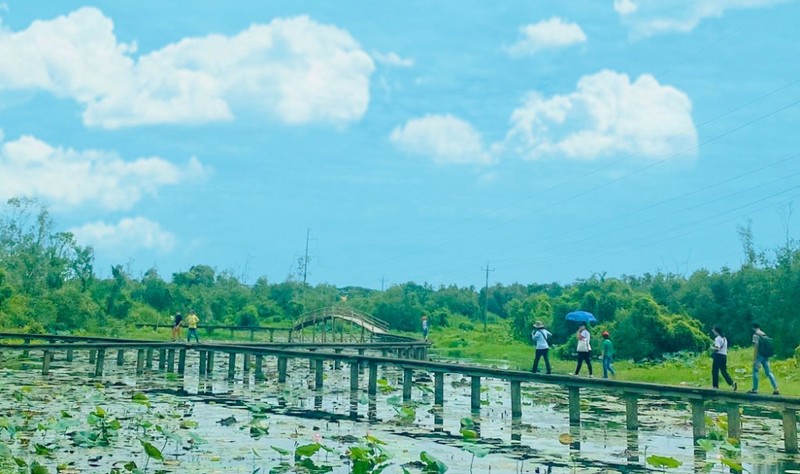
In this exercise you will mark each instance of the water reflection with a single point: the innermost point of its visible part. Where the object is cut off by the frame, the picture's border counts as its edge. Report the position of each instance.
(599, 443)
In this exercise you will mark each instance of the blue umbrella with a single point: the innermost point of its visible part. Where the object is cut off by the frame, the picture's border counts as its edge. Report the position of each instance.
(581, 317)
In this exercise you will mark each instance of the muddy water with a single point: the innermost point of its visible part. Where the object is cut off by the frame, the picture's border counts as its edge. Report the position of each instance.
(49, 411)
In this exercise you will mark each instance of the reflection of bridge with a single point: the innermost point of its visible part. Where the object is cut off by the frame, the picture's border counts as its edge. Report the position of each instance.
(343, 324)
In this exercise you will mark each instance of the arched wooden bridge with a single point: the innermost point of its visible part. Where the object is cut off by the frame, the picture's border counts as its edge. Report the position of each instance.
(343, 324)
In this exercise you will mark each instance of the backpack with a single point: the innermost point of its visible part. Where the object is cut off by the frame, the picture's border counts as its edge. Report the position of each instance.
(766, 348)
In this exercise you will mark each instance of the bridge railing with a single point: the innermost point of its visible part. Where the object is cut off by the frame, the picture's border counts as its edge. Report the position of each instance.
(344, 312)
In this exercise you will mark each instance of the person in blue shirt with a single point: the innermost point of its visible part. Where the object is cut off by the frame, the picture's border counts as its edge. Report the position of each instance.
(540, 335)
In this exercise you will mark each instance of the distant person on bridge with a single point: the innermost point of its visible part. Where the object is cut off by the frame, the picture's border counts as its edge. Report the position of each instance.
(425, 327)
(191, 322)
(607, 355)
(540, 335)
(584, 349)
(762, 351)
(719, 363)
(176, 327)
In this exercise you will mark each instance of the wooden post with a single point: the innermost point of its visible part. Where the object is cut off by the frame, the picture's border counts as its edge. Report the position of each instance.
(310, 364)
(408, 380)
(631, 411)
(318, 376)
(372, 388)
(139, 362)
(46, 357)
(252, 334)
(210, 362)
(162, 359)
(149, 358)
(283, 362)
(698, 418)
(337, 364)
(203, 365)
(790, 431)
(271, 335)
(246, 362)
(231, 365)
(26, 353)
(516, 399)
(181, 361)
(101, 357)
(734, 421)
(574, 405)
(438, 390)
(171, 360)
(360, 364)
(92, 356)
(69, 355)
(260, 367)
(120, 357)
(354, 375)
(475, 389)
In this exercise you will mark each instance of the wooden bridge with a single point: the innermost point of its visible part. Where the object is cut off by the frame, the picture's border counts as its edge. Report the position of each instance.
(407, 357)
(325, 324)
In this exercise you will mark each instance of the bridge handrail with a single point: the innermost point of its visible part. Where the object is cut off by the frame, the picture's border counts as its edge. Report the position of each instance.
(337, 311)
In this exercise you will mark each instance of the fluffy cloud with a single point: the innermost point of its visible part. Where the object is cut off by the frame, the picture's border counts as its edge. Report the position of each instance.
(606, 114)
(294, 69)
(126, 235)
(651, 17)
(546, 34)
(443, 138)
(392, 59)
(33, 168)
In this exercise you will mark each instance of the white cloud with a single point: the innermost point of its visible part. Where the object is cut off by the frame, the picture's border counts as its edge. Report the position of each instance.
(30, 167)
(625, 7)
(293, 69)
(546, 34)
(126, 235)
(392, 59)
(652, 17)
(607, 114)
(443, 138)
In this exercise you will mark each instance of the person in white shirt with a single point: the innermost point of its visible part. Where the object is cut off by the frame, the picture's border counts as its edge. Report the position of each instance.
(584, 349)
(540, 335)
(719, 363)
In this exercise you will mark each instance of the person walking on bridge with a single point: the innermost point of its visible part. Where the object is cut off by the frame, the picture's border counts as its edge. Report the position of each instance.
(425, 327)
(540, 335)
(176, 327)
(191, 322)
(762, 351)
(719, 361)
(584, 349)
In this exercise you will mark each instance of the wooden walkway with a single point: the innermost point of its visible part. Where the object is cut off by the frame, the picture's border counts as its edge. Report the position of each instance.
(410, 358)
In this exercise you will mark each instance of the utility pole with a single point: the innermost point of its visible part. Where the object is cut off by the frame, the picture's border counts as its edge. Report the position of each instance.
(305, 259)
(381, 284)
(486, 294)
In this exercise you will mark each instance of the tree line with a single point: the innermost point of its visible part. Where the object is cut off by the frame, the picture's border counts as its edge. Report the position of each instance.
(48, 283)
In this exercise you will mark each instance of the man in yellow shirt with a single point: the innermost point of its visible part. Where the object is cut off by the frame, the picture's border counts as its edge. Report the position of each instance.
(191, 322)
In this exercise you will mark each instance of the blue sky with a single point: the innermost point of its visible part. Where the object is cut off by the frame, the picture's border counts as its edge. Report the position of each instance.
(418, 141)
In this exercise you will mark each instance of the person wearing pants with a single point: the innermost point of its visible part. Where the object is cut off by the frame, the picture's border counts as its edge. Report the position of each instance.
(540, 335)
(584, 349)
(762, 359)
(719, 363)
(607, 350)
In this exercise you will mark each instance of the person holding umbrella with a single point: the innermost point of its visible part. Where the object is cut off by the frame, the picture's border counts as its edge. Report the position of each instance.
(584, 349)
(584, 338)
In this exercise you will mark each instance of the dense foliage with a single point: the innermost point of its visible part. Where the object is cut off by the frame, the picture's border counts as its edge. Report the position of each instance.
(48, 283)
